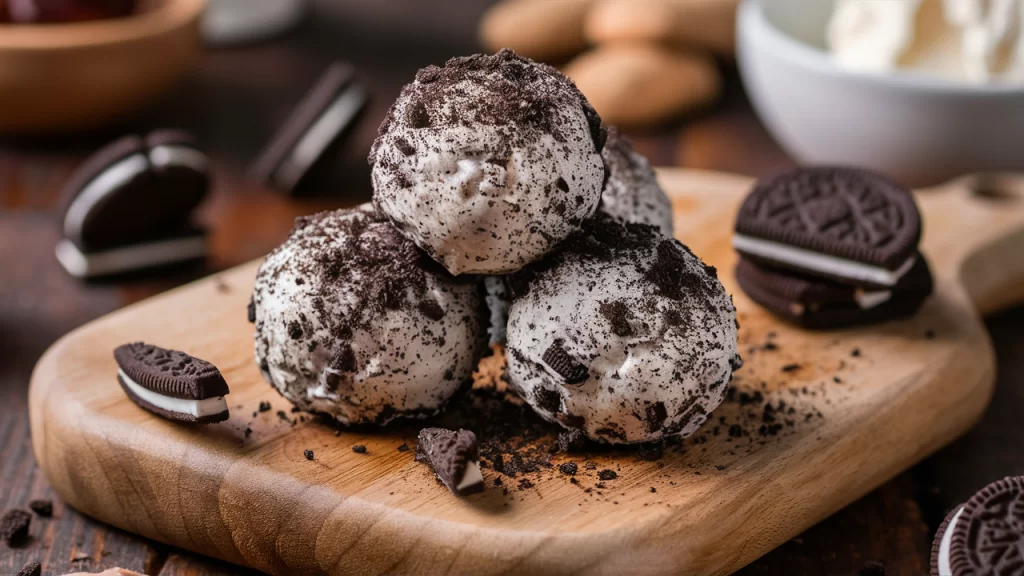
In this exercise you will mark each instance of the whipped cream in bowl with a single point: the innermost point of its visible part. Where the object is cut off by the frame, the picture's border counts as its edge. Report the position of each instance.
(921, 90)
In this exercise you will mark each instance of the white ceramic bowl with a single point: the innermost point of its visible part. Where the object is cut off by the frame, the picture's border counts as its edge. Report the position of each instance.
(916, 129)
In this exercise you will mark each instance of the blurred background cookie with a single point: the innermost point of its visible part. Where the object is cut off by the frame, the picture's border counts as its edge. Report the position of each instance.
(695, 24)
(644, 84)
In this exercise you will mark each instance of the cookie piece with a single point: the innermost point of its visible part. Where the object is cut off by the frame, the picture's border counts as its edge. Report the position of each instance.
(128, 191)
(489, 162)
(354, 322)
(941, 542)
(822, 304)
(43, 508)
(696, 24)
(317, 126)
(172, 384)
(187, 243)
(988, 535)
(645, 84)
(632, 192)
(31, 569)
(453, 456)
(847, 224)
(14, 527)
(536, 29)
(622, 333)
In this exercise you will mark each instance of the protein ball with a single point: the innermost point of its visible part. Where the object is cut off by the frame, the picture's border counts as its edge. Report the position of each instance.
(353, 321)
(623, 333)
(489, 162)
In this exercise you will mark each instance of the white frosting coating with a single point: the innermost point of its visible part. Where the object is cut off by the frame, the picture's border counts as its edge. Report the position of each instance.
(197, 408)
(871, 299)
(632, 192)
(466, 172)
(350, 324)
(822, 263)
(174, 155)
(134, 257)
(946, 543)
(471, 476)
(971, 40)
(661, 375)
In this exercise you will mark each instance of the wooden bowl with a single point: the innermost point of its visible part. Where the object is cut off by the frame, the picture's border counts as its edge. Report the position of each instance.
(60, 77)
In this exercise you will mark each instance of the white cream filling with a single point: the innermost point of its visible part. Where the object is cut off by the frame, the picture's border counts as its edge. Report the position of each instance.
(109, 180)
(320, 135)
(161, 156)
(821, 263)
(82, 265)
(946, 543)
(870, 299)
(470, 477)
(197, 408)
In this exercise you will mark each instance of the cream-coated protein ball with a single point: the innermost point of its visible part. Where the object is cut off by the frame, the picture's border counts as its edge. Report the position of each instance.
(353, 321)
(632, 193)
(488, 162)
(622, 333)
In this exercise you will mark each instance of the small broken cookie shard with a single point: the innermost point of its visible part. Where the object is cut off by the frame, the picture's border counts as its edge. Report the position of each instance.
(15, 523)
(453, 456)
(172, 384)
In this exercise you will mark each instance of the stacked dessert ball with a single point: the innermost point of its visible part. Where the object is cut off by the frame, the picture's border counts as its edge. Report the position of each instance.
(831, 248)
(498, 165)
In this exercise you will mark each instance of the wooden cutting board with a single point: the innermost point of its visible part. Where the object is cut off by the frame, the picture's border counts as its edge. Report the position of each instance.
(868, 403)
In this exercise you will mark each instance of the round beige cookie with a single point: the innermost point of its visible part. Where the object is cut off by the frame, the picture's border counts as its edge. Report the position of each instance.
(109, 572)
(641, 84)
(703, 24)
(543, 30)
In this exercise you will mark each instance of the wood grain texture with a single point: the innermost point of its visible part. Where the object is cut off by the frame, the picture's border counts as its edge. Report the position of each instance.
(258, 502)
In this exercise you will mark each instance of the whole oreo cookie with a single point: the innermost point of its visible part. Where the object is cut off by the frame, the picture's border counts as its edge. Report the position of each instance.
(988, 535)
(850, 225)
(318, 124)
(822, 304)
(172, 384)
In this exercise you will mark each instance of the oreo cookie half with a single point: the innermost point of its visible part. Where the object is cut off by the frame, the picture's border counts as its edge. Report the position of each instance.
(987, 535)
(846, 224)
(821, 304)
(172, 384)
(128, 206)
(453, 456)
(318, 124)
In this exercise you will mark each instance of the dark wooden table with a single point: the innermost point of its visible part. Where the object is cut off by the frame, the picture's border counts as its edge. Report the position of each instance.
(232, 102)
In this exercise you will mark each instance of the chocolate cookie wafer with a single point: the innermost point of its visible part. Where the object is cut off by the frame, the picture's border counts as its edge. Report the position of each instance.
(453, 456)
(987, 535)
(128, 207)
(319, 123)
(172, 384)
(849, 225)
(822, 304)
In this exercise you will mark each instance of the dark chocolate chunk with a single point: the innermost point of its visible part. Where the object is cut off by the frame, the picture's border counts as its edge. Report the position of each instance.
(359, 449)
(308, 454)
(823, 304)
(571, 370)
(450, 453)
(989, 536)
(607, 474)
(31, 569)
(403, 447)
(264, 406)
(43, 508)
(251, 310)
(14, 527)
(846, 213)
(170, 373)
